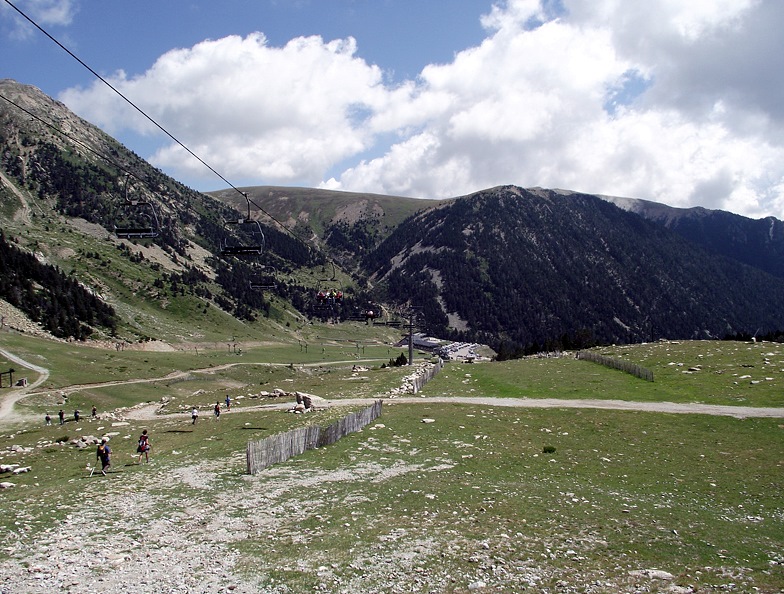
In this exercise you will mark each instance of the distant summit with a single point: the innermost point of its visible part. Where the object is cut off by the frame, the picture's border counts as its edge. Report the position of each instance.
(518, 269)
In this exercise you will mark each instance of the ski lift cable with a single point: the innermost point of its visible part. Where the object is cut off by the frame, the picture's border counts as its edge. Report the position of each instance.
(118, 92)
(98, 154)
(150, 119)
(109, 160)
(122, 168)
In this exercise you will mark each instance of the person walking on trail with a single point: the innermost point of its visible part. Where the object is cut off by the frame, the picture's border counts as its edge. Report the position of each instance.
(194, 415)
(104, 454)
(94, 412)
(61, 414)
(48, 419)
(228, 403)
(143, 448)
(217, 411)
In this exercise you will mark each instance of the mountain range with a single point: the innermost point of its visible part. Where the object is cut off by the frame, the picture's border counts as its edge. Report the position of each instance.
(519, 269)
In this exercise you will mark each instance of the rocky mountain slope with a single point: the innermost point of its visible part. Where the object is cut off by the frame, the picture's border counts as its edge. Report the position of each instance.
(520, 269)
(757, 242)
(539, 267)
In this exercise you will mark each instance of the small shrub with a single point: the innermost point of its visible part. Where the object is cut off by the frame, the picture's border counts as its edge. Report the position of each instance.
(548, 449)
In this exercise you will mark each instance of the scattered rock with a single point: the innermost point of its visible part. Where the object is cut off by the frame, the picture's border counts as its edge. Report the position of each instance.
(654, 574)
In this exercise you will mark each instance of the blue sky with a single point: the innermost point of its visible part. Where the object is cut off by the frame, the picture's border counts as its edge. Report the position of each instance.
(681, 103)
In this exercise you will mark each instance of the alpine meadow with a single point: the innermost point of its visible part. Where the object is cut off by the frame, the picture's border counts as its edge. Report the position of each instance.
(579, 393)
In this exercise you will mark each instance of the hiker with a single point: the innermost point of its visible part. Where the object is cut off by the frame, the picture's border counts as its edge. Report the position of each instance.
(194, 415)
(143, 448)
(228, 402)
(48, 419)
(217, 411)
(104, 454)
(76, 415)
(61, 414)
(94, 412)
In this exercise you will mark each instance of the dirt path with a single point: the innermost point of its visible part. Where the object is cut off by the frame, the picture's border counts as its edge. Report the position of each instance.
(151, 412)
(16, 394)
(661, 407)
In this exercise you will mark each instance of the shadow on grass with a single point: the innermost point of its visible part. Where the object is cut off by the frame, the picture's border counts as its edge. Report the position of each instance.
(179, 431)
(97, 473)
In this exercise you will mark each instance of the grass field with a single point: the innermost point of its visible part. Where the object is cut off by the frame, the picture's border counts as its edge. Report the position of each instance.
(713, 372)
(477, 498)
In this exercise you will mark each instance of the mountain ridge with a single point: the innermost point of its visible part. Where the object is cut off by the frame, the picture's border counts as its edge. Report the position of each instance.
(527, 268)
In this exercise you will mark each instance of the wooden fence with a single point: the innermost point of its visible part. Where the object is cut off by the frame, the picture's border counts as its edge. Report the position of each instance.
(620, 364)
(419, 381)
(281, 447)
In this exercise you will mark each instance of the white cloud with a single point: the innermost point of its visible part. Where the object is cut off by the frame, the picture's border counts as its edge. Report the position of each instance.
(44, 12)
(247, 109)
(676, 102)
(528, 106)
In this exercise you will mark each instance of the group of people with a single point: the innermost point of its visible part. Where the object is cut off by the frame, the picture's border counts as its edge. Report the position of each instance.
(216, 410)
(330, 295)
(77, 415)
(104, 452)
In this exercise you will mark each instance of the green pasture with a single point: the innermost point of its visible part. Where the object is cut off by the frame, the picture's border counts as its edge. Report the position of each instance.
(198, 375)
(710, 372)
(620, 492)
(548, 493)
(696, 496)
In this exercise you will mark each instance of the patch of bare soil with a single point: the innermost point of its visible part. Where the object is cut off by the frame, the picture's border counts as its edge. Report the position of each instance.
(356, 211)
(13, 319)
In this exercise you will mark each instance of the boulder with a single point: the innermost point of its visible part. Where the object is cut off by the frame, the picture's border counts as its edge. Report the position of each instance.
(654, 574)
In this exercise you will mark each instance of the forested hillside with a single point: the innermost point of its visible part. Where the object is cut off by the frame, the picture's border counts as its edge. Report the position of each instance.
(56, 169)
(58, 303)
(518, 269)
(756, 242)
(538, 269)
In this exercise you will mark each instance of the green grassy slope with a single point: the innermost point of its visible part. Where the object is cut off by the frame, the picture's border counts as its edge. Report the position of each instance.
(551, 496)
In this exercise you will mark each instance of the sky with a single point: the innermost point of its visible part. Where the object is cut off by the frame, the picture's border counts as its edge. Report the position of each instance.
(677, 102)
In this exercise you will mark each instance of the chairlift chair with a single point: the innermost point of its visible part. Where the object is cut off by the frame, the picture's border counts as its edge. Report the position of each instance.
(140, 218)
(250, 242)
(329, 291)
(329, 294)
(252, 247)
(138, 211)
(264, 284)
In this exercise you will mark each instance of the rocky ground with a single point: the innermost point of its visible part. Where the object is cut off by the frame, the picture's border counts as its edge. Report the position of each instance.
(118, 538)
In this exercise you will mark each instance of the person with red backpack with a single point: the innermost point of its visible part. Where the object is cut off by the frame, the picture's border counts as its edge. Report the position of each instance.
(143, 448)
